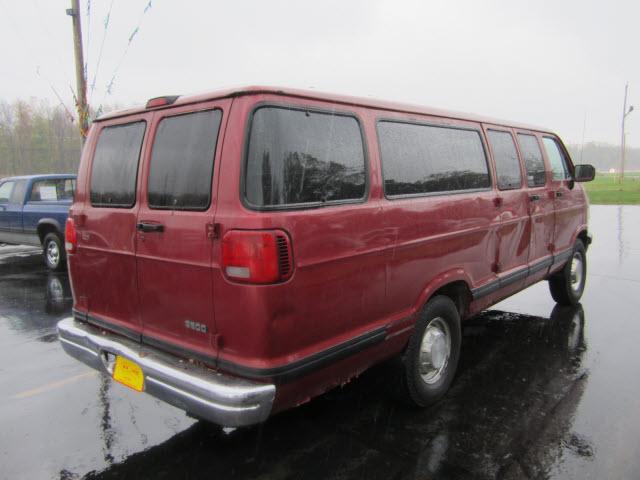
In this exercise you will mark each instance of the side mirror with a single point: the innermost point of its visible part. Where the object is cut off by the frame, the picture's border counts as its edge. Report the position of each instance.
(584, 173)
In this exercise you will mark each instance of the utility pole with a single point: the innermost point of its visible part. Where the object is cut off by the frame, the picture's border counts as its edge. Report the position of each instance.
(625, 112)
(81, 81)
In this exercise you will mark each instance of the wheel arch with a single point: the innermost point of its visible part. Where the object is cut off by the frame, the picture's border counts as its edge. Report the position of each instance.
(583, 235)
(453, 284)
(48, 225)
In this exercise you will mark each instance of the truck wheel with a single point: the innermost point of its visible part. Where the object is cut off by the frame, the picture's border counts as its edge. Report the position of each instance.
(567, 285)
(429, 363)
(53, 251)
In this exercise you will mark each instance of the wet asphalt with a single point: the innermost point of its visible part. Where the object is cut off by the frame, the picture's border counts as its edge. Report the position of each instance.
(542, 392)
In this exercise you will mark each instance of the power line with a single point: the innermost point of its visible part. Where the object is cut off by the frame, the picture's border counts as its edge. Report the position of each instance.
(55, 92)
(132, 36)
(104, 37)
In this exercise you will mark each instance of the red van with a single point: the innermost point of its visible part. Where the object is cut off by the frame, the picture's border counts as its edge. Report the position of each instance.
(240, 252)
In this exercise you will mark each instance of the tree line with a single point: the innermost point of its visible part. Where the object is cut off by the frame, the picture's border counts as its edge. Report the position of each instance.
(36, 137)
(604, 156)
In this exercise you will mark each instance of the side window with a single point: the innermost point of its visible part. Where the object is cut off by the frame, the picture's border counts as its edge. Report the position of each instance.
(556, 159)
(506, 159)
(532, 160)
(6, 189)
(44, 191)
(17, 196)
(300, 156)
(115, 165)
(419, 159)
(181, 169)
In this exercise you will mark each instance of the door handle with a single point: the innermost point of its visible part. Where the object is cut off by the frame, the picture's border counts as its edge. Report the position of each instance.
(534, 198)
(150, 227)
(558, 194)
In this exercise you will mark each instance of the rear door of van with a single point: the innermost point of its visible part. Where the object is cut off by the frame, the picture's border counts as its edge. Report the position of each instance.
(174, 228)
(103, 270)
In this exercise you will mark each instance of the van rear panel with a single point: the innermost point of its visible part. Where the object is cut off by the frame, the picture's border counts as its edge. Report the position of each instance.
(143, 266)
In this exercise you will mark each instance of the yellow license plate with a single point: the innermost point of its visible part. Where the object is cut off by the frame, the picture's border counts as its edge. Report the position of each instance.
(128, 373)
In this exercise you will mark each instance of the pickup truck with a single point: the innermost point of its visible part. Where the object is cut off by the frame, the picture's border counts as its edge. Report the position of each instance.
(33, 211)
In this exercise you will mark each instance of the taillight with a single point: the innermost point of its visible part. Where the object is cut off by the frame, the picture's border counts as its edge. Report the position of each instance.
(70, 236)
(253, 256)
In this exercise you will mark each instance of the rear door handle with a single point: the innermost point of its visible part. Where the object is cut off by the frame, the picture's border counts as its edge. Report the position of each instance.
(558, 194)
(534, 198)
(150, 227)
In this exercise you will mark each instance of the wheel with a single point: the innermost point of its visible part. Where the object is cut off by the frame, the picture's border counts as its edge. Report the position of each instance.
(567, 285)
(430, 360)
(54, 254)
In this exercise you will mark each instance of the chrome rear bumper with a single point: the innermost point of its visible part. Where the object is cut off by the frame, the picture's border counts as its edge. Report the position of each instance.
(204, 393)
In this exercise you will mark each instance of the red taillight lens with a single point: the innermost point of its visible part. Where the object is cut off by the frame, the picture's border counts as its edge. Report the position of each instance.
(70, 236)
(256, 256)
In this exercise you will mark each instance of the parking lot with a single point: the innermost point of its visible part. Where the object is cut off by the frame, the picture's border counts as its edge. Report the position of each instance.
(542, 392)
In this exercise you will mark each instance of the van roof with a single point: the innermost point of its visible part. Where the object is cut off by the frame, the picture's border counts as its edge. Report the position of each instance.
(329, 97)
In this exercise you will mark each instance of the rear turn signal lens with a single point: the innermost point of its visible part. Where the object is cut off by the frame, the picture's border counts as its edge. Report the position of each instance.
(256, 256)
(70, 236)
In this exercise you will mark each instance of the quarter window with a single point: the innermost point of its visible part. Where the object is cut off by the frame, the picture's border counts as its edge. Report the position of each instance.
(421, 159)
(556, 159)
(533, 161)
(506, 159)
(182, 161)
(303, 157)
(115, 165)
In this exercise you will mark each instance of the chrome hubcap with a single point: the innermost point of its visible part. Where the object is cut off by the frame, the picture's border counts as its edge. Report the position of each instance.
(435, 350)
(577, 272)
(53, 253)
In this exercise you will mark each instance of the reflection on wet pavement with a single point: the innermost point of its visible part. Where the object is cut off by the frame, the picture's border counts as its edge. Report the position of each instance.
(542, 392)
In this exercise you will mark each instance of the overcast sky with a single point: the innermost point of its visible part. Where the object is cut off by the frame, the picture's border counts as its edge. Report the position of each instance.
(549, 63)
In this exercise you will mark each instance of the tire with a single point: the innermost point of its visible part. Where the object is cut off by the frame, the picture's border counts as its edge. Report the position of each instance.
(54, 254)
(567, 285)
(425, 382)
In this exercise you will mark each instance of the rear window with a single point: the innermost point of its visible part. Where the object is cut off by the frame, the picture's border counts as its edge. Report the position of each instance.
(53, 190)
(182, 161)
(533, 161)
(299, 157)
(423, 159)
(506, 159)
(115, 165)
